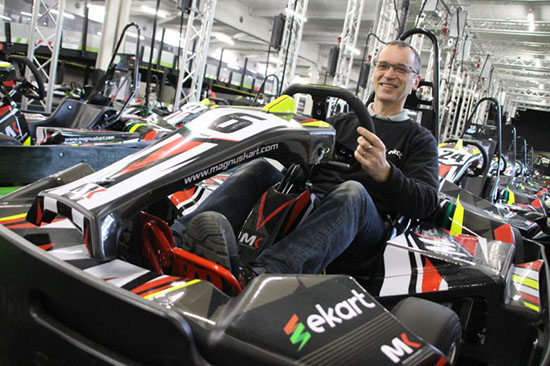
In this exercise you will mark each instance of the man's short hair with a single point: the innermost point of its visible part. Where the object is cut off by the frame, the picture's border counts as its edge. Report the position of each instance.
(403, 44)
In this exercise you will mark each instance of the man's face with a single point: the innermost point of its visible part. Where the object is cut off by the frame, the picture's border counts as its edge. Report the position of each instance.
(393, 84)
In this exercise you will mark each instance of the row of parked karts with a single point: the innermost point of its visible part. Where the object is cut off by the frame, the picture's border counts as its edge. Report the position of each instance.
(88, 270)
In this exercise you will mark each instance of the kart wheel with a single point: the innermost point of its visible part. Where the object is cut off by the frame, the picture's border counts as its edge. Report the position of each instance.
(8, 140)
(435, 323)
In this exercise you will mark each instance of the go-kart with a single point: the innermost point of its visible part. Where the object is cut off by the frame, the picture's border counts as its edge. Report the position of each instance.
(275, 319)
(83, 297)
(467, 231)
(97, 125)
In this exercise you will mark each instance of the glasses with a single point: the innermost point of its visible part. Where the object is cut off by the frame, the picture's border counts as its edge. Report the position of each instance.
(398, 68)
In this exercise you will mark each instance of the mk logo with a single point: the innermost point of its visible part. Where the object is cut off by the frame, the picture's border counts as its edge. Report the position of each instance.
(249, 240)
(297, 330)
(400, 346)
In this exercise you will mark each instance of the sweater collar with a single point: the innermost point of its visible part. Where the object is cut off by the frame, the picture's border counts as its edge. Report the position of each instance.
(401, 116)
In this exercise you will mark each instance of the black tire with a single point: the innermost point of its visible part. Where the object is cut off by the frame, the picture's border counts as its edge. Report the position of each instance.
(8, 140)
(434, 323)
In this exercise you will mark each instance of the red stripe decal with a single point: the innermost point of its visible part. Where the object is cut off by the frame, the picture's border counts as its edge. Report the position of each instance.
(504, 233)
(531, 265)
(46, 246)
(182, 196)
(175, 147)
(154, 283)
(89, 195)
(444, 169)
(152, 291)
(260, 224)
(301, 203)
(431, 280)
(530, 298)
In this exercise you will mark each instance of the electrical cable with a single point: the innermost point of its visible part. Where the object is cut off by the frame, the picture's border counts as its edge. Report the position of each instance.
(396, 13)
(262, 86)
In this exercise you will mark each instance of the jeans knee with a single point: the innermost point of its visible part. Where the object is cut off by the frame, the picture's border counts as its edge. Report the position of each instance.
(260, 169)
(351, 190)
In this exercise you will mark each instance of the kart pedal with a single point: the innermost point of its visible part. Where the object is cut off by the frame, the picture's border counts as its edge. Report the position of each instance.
(158, 242)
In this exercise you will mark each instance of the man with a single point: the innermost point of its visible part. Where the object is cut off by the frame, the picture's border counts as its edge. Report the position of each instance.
(398, 176)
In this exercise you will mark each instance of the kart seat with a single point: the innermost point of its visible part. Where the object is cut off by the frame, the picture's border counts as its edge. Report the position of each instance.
(422, 107)
(75, 114)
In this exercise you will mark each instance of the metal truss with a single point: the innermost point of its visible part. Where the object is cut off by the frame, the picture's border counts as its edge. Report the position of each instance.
(292, 37)
(385, 28)
(534, 93)
(528, 105)
(504, 61)
(194, 51)
(41, 10)
(508, 26)
(348, 41)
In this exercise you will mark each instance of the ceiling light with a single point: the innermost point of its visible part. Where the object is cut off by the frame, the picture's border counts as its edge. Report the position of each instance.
(96, 13)
(133, 35)
(354, 50)
(541, 86)
(26, 14)
(531, 21)
(224, 38)
(152, 11)
(5, 18)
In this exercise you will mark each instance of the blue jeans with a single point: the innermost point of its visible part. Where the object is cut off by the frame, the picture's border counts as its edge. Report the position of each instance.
(344, 225)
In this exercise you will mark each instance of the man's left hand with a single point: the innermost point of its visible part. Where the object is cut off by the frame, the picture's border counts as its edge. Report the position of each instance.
(371, 154)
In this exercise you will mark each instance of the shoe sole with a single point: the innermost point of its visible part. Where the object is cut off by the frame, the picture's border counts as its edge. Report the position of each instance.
(211, 238)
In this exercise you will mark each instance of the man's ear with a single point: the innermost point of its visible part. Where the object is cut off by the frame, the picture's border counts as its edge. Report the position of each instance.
(416, 82)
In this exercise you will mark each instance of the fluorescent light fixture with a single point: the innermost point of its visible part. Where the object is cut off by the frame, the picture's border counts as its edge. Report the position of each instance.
(541, 86)
(233, 66)
(96, 13)
(354, 50)
(152, 11)
(224, 38)
(531, 21)
(291, 13)
(66, 15)
(5, 18)
(26, 14)
(538, 63)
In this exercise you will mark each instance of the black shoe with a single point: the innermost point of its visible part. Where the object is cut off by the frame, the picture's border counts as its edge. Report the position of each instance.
(210, 236)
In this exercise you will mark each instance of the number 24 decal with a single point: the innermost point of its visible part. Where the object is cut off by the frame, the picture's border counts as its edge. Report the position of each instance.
(452, 155)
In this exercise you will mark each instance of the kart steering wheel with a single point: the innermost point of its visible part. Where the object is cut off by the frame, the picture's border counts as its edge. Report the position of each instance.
(344, 159)
(477, 170)
(31, 90)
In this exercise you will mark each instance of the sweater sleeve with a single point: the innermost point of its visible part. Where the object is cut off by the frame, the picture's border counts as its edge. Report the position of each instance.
(412, 190)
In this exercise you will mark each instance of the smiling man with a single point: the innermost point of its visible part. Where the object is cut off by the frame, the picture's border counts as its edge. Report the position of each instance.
(399, 176)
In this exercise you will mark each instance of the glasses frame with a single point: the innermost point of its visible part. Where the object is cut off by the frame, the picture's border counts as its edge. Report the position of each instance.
(398, 68)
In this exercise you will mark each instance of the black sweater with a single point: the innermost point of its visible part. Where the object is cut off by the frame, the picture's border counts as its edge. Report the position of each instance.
(411, 150)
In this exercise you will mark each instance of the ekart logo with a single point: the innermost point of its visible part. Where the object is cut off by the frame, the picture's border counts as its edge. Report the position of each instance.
(342, 311)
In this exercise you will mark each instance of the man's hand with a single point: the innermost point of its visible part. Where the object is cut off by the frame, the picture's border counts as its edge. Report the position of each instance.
(371, 154)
